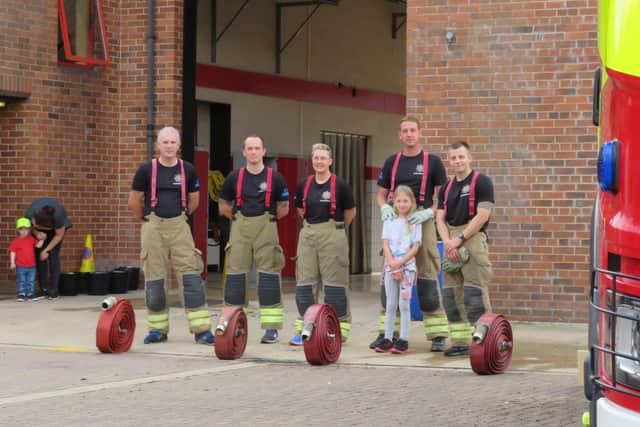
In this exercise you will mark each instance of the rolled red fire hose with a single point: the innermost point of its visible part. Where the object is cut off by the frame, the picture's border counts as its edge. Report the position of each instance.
(321, 335)
(231, 333)
(116, 326)
(491, 345)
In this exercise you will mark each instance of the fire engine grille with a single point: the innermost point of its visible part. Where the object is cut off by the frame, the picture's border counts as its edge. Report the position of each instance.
(619, 346)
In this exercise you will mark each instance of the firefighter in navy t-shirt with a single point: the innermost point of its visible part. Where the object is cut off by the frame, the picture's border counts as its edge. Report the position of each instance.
(325, 203)
(424, 173)
(254, 198)
(464, 207)
(164, 192)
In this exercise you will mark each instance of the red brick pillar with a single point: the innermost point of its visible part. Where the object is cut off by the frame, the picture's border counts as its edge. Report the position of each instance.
(515, 81)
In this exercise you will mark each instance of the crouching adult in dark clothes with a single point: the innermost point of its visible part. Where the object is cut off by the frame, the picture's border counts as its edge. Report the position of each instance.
(49, 223)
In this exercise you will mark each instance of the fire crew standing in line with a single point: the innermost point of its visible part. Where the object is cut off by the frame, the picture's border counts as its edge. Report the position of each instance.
(254, 198)
(325, 202)
(164, 192)
(464, 207)
(424, 173)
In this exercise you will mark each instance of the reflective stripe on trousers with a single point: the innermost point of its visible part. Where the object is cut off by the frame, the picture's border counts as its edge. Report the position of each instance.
(271, 317)
(460, 333)
(436, 326)
(158, 322)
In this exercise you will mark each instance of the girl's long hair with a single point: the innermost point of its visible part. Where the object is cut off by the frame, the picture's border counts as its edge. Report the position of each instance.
(403, 189)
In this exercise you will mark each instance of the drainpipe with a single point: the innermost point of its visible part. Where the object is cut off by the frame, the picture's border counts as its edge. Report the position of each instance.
(150, 76)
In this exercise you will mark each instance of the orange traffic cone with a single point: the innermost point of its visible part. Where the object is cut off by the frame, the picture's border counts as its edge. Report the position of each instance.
(88, 262)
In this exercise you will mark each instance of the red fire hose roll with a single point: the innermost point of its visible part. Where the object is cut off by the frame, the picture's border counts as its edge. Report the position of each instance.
(231, 333)
(492, 345)
(116, 326)
(321, 335)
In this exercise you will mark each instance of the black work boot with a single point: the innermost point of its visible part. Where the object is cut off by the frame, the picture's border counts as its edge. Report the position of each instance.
(457, 351)
(438, 343)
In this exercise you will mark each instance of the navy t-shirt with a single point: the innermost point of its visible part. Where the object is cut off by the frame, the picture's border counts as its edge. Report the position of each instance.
(319, 200)
(168, 190)
(254, 190)
(60, 218)
(409, 173)
(458, 200)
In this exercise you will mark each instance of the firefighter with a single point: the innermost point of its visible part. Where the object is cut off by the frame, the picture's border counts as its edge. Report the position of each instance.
(325, 203)
(424, 173)
(163, 194)
(254, 198)
(464, 206)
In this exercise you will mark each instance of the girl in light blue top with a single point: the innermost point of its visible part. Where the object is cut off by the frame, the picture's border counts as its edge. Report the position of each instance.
(400, 241)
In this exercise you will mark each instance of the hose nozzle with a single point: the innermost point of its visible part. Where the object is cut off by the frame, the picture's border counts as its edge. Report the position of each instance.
(223, 322)
(108, 303)
(505, 345)
(479, 333)
(307, 327)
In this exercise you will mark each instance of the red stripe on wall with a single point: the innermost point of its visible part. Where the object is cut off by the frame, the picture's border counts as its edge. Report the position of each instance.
(371, 173)
(213, 76)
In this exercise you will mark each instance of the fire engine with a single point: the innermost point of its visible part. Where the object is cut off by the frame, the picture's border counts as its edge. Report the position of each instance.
(612, 369)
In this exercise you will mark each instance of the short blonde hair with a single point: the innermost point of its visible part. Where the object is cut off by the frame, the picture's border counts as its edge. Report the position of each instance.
(411, 119)
(407, 191)
(323, 147)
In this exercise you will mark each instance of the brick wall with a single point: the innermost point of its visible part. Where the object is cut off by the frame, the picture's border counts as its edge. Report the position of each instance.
(517, 84)
(81, 133)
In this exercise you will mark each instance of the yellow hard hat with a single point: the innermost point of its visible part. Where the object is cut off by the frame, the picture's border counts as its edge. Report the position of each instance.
(23, 223)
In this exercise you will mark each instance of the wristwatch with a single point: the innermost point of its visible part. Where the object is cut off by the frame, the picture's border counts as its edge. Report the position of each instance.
(460, 236)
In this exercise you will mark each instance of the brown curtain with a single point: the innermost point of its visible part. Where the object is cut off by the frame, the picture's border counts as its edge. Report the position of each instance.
(349, 163)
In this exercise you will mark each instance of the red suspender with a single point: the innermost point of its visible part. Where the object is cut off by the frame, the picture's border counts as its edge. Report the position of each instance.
(154, 184)
(239, 188)
(425, 172)
(446, 196)
(183, 187)
(472, 194)
(267, 197)
(332, 186)
(394, 170)
(305, 193)
(423, 181)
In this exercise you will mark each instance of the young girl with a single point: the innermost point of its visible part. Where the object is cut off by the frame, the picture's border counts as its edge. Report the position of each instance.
(400, 242)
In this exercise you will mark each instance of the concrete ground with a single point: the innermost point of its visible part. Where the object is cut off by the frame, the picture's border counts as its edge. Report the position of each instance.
(69, 323)
(48, 358)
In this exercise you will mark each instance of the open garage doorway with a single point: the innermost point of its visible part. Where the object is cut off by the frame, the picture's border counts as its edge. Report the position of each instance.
(219, 167)
(293, 70)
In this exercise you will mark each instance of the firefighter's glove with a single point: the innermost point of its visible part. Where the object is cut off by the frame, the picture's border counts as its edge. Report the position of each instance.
(452, 266)
(387, 213)
(418, 217)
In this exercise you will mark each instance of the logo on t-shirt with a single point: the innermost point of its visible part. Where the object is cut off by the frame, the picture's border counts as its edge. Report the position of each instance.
(326, 196)
(465, 191)
(177, 179)
(262, 187)
(419, 169)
